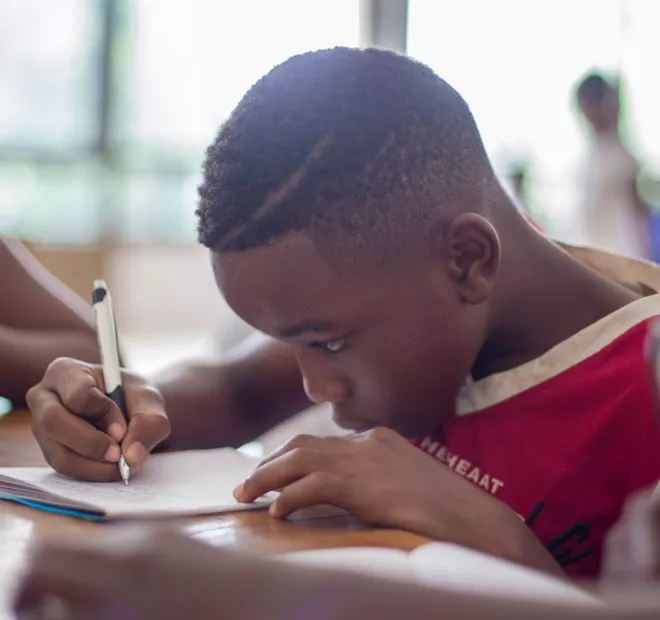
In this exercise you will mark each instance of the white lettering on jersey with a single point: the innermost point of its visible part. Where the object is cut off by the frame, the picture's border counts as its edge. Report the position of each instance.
(461, 466)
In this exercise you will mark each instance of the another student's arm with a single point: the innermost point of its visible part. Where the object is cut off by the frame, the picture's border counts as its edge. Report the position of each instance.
(150, 574)
(192, 406)
(40, 320)
(632, 550)
(32, 298)
(25, 354)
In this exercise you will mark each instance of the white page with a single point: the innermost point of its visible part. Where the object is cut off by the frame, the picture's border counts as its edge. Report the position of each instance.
(376, 561)
(191, 482)
(449, 566)
(459, 568)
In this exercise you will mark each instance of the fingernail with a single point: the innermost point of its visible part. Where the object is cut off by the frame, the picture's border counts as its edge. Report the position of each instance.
(116, 431)
(136, 453)
(113, 453)
(238, 492)
(272, 510)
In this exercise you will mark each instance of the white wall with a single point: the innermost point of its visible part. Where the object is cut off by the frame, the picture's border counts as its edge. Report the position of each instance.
(165, 288)
(168, 307)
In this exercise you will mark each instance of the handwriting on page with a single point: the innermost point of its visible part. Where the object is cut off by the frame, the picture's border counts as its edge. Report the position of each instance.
(117, 498)
(92, 490)
(198, 481)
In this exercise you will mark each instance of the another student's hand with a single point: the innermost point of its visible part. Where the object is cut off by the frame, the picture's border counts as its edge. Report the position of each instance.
(382, 478)
(632, 547)
(136, 572)
(81, 431)
(144, 574)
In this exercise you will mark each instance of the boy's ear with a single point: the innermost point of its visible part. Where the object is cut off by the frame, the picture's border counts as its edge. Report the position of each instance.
(471, 251)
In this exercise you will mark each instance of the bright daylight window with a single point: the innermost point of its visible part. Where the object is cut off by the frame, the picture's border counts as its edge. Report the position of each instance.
(107, 105)
(516, 62)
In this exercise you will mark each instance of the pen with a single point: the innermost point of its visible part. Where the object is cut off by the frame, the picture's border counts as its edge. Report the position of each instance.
(106, 331)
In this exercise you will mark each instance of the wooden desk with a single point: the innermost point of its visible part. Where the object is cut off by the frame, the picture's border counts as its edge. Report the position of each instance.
(20, 526)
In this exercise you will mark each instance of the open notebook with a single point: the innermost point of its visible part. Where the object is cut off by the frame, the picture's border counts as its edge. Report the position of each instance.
(181, 483)
(448, 566)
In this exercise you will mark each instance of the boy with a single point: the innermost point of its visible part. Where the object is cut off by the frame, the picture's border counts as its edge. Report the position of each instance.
(353, 217)
(40, 320)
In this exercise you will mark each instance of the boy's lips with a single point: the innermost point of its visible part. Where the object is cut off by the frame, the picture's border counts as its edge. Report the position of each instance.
(358, 425)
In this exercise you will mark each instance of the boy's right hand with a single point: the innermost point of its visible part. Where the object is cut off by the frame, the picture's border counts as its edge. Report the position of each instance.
(82, 432)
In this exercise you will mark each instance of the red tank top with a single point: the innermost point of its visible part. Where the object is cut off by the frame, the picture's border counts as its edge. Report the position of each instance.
(565, 439)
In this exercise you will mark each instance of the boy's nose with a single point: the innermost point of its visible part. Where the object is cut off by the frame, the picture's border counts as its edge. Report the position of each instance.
(320, 390)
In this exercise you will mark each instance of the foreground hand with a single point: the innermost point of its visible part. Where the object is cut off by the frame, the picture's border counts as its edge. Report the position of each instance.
(382, 478)
(128, 573)
(82, 432)
(143, 574)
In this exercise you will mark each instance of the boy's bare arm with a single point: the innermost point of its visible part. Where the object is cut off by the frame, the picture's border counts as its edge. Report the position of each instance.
(233, 401)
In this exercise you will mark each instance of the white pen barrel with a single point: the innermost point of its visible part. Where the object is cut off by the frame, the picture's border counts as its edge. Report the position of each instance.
(107, 337)
(106, 330)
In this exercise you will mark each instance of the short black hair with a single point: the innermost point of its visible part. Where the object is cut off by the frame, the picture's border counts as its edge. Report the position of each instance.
(594, 87)
(356, 147)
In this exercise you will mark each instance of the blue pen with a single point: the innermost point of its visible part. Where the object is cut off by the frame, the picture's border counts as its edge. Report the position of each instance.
(106, 330)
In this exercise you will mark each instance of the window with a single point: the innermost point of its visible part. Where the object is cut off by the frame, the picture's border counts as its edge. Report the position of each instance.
(49, 54)
(516, 63)
(109, 104)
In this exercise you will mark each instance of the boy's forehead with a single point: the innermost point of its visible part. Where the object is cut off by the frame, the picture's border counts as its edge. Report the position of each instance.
(287, 279)
(286, 260)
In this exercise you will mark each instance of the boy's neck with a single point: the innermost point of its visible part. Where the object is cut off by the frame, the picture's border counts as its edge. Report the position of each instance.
(545, 297)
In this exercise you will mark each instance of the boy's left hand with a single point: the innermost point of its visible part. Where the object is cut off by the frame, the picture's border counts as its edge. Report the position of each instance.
(382, 478)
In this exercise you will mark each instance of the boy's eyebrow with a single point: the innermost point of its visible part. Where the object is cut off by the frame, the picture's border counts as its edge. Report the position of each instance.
(306, 326)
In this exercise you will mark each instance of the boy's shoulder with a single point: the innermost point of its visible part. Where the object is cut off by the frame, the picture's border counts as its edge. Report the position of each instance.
(565, 438)
(609, 349)
(638, 275)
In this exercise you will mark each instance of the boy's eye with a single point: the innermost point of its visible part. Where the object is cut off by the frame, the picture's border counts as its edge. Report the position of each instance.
(331, 346)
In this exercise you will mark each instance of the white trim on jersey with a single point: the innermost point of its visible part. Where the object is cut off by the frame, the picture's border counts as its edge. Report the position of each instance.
(477, 395)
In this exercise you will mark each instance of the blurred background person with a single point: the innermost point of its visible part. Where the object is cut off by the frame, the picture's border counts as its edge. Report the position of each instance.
(612, 215)
(517, 181)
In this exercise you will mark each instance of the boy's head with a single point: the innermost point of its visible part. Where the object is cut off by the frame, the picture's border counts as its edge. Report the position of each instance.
(598, 100)
(346, 203)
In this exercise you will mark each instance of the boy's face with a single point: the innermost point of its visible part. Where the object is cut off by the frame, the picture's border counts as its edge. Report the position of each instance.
(385, 347)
